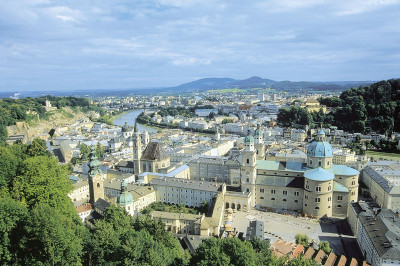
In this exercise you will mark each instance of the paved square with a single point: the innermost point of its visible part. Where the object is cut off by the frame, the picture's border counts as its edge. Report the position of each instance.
(285, 227)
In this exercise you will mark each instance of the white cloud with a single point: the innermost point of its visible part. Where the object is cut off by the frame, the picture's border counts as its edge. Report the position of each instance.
(191, 61)
(362, 6)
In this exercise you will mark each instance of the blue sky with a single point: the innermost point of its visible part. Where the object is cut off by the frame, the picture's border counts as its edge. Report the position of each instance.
(103, 44)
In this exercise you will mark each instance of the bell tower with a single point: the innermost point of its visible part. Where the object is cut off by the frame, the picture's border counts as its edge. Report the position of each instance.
(137, 153)
(96, 177)
(248, 169)
(259, 143)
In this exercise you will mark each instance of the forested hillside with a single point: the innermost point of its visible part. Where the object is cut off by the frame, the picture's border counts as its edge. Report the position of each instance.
(374, 107)
(26, 109)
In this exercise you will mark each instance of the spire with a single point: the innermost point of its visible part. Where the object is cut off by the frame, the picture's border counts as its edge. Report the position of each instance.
(94, 163)
(136, 126)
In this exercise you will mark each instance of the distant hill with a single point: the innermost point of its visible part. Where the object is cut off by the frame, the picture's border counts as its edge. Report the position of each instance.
(258, 82)
(206, 84)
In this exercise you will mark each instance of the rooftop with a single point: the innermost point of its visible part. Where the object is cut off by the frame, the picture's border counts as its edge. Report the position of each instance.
(319, 174)
(187, 184)
(154, 151)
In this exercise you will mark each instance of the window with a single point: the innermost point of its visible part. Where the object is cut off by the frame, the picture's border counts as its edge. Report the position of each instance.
(327, 162)
(296, 193)
(261, 197)
(353, 193)
(247, 190)
(273, 191)
(247, 180)
(305, 205)
(319, 163)
(329, 188)
(284, 200)
(317, 199)
(310, 161)
(318, 189)
(305, 196)
(353, 182)
(261, 190)
(273, 199)
(317, 208)
(296, 200)
(339, 206)
(285, 192)
(329, 198)
(98, 184)
(339, 197)
(248, 161)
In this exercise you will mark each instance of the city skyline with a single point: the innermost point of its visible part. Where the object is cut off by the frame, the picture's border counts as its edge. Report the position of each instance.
(98, 45)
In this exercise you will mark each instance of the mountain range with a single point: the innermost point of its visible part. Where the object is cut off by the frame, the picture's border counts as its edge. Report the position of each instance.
(203, 85)
(257, 82)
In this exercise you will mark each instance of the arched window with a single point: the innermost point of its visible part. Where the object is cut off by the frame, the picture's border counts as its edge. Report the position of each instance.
(317, 208)
(98, 184)
(233, 205)
(296, 200)
(353, 182)
(227, 205)
(273, 199)
(284, 200)
(339, 206)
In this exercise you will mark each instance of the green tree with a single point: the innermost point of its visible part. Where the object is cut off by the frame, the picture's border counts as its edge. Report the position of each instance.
(226, 251)
(302, 239)
(52, 237)
(324, 245)
(85, 151)
(43, 180)
(12, 218)
(211, 115)
(37, 148)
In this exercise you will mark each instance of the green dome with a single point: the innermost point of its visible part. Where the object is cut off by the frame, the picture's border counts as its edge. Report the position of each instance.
(125, 197)
(94, 162)
(249, 139)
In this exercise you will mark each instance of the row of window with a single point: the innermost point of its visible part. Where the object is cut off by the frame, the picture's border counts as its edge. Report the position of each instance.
(329, 198)
(317, 208)
(285, 192)
(282, 200)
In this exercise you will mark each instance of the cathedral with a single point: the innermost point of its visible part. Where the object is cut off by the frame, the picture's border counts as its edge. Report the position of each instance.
(317, 188)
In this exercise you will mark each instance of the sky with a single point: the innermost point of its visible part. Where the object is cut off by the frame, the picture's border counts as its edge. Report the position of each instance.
(103, 44)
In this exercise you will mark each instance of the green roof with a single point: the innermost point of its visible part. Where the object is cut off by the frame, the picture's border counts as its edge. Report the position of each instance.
(339, 187)
(344, 170)
(319, 174)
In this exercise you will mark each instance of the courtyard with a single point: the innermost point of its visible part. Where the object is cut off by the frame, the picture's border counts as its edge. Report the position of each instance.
(285, 227)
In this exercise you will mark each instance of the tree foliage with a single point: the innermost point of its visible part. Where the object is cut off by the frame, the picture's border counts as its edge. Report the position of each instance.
(324, 245)
(302, 239)
(375, 107)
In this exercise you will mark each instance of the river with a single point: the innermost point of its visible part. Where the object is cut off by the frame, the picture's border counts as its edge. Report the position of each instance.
(130, 117)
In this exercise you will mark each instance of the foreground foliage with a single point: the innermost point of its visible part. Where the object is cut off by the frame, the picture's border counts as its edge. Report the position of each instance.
(39, 225)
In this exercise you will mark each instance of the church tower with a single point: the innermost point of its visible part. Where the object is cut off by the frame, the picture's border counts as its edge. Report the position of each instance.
(259, 143)
(249, 167)
(96, 177)
(137, 153)
(125, 199)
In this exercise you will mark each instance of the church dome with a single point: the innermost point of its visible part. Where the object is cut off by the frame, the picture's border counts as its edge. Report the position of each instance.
(320, 147)
(126, 128)
(125, 197)
(249, 139)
